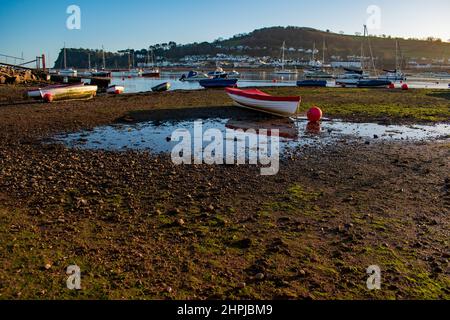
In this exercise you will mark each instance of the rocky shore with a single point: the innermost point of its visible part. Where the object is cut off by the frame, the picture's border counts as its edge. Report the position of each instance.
(140, 227)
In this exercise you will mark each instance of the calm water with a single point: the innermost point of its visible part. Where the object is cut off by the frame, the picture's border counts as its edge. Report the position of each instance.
(156, 136)
(247, 79)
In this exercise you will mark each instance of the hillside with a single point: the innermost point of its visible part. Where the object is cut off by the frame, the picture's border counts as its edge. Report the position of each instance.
(267, 42)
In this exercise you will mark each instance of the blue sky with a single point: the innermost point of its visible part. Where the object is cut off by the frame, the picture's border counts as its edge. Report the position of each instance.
(36, 27)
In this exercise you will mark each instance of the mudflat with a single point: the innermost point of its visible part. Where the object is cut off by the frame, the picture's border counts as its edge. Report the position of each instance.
(139, 226)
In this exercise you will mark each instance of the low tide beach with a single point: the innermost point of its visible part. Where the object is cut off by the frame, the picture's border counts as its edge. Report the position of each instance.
(140, 226)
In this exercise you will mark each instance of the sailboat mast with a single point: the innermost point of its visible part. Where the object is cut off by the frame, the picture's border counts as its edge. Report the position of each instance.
(396, 56)
(104, 60)
(314, 52)
(89, 61)
(65, 56)
(282, 54)
(366, 31)
(323, 51)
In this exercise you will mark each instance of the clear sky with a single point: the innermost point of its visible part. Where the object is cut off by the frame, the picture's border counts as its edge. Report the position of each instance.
(35, 27)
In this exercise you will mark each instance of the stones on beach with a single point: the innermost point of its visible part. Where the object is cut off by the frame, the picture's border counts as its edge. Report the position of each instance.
(259, 276)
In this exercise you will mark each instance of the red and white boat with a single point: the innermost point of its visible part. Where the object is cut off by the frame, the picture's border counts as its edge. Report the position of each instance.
(115, 89)
(260, 101)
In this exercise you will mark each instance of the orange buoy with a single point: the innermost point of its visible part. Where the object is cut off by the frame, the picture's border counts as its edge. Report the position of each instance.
(314, 114)
(405, 86)
(48, 97)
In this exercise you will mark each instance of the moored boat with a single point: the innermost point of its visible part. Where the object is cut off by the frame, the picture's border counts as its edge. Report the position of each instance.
(162, 87)
(68, 72)
(36, 93)
(69, 93)
(152, 73)
(102, 74)
(218, 73)
(194, 76)
(317, 73)
(393, 75)
(311, 83)
(260, 101)
(115, 89)
(233, 75)
(373, 83)
(218, 83)
(351, 77)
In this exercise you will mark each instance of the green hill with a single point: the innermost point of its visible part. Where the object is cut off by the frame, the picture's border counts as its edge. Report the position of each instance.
(267, 42)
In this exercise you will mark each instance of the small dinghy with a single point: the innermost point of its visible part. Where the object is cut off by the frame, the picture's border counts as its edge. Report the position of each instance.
(312, 83)
(36, 93)
(77, 92)
(115, 89)
(218, 83)
(162, 87)
(260, 101)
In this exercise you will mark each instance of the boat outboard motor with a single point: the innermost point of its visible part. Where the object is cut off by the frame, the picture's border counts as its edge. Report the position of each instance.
(183, 77)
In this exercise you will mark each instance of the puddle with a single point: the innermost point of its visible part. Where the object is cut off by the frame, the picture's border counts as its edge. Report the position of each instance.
(155, 136)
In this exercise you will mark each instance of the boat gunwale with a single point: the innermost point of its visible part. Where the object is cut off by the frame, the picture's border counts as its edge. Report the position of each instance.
(262, 96)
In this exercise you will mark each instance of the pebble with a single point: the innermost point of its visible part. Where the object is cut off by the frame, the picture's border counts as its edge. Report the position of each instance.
(259, 276)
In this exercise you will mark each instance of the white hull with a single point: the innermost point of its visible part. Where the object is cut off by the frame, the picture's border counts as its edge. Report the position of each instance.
(348, 82)
(278, 108)
(286, 72)
(68, 73)
(197, 78)
(115, 89)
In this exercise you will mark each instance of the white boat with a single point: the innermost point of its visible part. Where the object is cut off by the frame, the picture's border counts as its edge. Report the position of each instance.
(393, 75)
(233, 75)
(397, 74)
(351, 77)
(317, 74)
(260, 101)
(218, 73)
(283, 70)
(36, 93)
(68, 72)
(194, 76)
(115, 89)
(75, 92)
(134, 73)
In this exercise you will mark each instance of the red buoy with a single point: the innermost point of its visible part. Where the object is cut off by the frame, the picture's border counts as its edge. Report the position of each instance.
(405, 86)
(314, 114)
(118, 91)
(392, 86)
(48, 97)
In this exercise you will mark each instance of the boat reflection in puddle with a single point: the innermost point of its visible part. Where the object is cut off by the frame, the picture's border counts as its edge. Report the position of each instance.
(156, 136)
